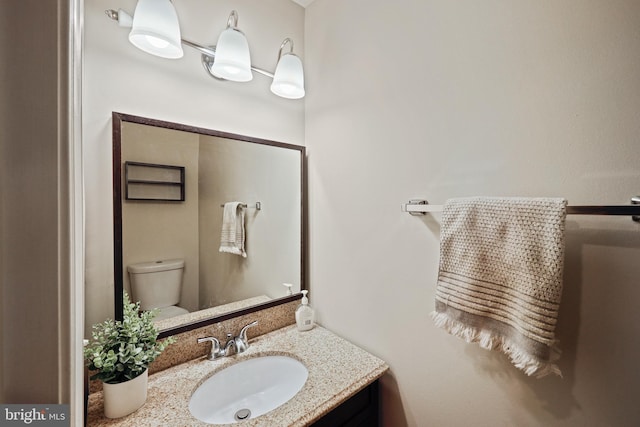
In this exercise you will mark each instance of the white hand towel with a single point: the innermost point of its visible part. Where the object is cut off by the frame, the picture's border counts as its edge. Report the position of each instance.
(232, 235)
(500, 277)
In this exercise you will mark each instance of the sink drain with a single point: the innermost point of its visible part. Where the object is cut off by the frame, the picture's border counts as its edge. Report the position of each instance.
(242, 414)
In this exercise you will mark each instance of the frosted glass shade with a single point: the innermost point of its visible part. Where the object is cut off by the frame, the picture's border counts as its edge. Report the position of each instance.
(232, 60)
(156, 29)
(288, 80)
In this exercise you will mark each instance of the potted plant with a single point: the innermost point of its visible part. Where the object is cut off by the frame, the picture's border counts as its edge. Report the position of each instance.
(120, 353)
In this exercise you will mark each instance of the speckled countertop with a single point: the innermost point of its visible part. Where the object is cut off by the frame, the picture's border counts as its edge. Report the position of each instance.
(337, 370)
(207, 313)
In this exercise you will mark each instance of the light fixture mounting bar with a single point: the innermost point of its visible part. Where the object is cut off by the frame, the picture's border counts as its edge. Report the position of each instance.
(211, 52)
(124, 19)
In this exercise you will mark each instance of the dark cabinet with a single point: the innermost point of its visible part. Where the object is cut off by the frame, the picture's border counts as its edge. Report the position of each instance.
(361, 410)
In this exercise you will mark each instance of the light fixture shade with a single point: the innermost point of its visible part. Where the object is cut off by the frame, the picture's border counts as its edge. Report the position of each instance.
(232, 60)
(288, 79)
(156, 29)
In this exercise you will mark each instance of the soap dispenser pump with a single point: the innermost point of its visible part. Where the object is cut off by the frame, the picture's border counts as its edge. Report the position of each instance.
(288, 286)
(305, 315)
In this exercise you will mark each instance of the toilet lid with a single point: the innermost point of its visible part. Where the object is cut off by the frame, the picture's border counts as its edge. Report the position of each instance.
(171, 311)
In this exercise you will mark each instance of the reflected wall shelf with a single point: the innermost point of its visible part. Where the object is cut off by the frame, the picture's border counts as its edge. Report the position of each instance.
(153, 182)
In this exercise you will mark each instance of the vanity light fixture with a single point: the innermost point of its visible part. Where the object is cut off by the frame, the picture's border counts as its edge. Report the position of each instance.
(288, 79)
(155, 30)
(232, 60)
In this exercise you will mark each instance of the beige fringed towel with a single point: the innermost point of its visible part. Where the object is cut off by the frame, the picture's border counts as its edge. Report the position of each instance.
(232, 235)
(500, 276)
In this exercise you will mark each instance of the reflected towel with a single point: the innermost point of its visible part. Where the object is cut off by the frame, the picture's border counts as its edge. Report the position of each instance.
(500, 276)
(232, 235)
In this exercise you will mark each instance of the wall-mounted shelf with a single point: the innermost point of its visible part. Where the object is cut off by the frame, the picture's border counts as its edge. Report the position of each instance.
(148, 181)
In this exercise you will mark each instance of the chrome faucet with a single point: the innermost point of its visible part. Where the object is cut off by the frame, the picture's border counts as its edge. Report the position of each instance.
(241, 341)
(215, 347)
(234, 345)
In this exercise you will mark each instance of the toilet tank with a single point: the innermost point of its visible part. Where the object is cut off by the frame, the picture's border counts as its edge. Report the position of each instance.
(156, 284)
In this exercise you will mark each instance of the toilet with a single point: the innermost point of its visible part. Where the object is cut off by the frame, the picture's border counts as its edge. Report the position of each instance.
(157, 285)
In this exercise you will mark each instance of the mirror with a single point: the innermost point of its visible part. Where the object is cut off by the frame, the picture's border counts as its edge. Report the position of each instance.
(170, 185)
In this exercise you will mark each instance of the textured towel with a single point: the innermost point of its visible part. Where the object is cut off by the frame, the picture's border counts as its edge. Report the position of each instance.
(232, 235)
(500, 276)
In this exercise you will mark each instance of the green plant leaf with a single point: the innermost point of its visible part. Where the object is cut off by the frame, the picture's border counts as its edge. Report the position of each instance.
(122, 350)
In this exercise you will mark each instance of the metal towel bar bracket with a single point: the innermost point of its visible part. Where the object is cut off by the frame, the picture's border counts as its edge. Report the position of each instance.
(257, 206)
(419, 207)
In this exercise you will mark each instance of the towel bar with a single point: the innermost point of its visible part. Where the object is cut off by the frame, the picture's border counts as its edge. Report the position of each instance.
(422, 207)
(257, 206)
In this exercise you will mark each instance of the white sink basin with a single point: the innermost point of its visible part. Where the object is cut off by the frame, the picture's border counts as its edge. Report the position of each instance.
(248, 389)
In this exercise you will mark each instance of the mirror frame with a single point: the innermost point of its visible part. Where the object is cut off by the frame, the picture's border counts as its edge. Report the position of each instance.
(117, 120)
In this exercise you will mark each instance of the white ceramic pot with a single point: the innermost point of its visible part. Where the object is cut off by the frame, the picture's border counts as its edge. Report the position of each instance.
(124, 398)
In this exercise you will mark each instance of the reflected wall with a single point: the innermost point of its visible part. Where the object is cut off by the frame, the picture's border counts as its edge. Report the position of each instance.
(216, 169)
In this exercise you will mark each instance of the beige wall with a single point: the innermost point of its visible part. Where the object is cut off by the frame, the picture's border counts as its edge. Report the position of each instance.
(442, 99)
(489, 98)
(119, 77)
(35, 249)
(155, 231)
(249, 173)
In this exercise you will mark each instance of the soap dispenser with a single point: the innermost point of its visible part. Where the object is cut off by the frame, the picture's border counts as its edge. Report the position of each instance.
(305, 315)
(288, 286)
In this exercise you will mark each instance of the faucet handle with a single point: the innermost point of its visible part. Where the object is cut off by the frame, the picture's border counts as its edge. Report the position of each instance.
(243, 331)
(215, 347)
(242, 342)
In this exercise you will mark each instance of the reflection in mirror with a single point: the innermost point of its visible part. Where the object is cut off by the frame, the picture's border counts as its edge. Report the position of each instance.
(174, 189)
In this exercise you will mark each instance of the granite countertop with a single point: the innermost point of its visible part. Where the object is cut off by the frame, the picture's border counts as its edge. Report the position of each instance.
(208, 313)
(337, 370)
